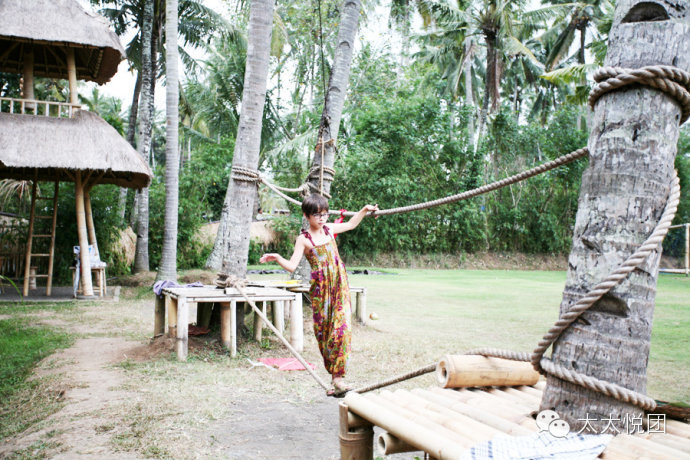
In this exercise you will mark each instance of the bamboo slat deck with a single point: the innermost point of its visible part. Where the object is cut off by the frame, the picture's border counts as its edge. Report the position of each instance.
(446, 422)
(177, 302)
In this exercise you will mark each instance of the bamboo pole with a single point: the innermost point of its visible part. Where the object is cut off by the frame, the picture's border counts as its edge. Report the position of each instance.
(159, 316)
(72, 76)
(477, 413)
(296, 323)
(51, 251)
(407, 430)
(84, 258)
(182, 342)
(89, 223)
(687, 249)
(356, 443)
(28, 88)
(29, 241)
(171, 306)
(386, 399)
(455, 371)
(389, 445)
(278, 315)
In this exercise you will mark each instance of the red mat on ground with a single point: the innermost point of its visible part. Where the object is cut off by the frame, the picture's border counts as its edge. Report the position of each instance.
(285, 364)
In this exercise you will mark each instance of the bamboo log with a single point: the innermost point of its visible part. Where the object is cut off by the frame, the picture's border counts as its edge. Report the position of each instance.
(72, 76)
(389, 444)
(678, 428)
(29, 241)
(89, 223)
(182, 342)
(407, 430)
(356, 443)
(258, 324)
(159, 316)
(296, 323)
(28, 86)
(85, 260)
(521, 404)
(171, 306)
(521, 396)
(278, 315)
(457, 371)
(477, 413)
(442, 425)
(226, 325)
(638, 447)
(451, 418)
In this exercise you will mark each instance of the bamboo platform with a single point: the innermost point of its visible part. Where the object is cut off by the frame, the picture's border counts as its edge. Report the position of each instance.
(446, 422)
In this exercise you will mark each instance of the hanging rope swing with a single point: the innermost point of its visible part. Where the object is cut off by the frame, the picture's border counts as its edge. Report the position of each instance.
(672, 81)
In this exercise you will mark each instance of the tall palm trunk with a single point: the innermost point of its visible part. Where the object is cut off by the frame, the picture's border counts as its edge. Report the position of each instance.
(324, 153)
(141, 257)
(131, 128)
(632, 147)
(232, 241)
(168, 267)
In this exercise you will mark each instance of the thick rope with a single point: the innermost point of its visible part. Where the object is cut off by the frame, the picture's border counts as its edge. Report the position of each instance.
(671, 80)
(224, 281)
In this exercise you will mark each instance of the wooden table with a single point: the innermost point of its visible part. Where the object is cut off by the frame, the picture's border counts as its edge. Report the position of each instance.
(177, 302)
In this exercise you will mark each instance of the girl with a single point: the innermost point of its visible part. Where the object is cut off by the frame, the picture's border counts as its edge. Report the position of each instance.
(330, 293)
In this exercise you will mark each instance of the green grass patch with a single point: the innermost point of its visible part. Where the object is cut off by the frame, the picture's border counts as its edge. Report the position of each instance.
(21, 347)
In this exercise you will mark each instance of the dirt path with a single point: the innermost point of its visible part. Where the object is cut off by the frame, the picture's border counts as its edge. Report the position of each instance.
(89, 395)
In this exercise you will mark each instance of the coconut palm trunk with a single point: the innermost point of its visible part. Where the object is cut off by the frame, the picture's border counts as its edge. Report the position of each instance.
(232, 241)
(624, 189)
(141, 258)
(131, 129)
(324, 153)
(168, 266)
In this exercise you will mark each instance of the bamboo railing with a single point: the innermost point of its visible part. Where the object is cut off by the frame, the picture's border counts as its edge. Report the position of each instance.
(36, 107)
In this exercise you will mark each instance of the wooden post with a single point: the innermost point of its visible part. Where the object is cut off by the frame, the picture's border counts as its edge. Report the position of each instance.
(28, 90)
(84, 259)
(687, 249)
(51, 251)
(296, 323)
(89, 223)
(278, 315)
(258, 323)
(171, 306)
(30, 238)
(182, 342)
(225, 326)
(233, 328)
(72, 76)
(159, 316)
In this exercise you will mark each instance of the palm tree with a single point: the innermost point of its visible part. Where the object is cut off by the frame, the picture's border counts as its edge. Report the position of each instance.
(233, 231)
(168, 265)
(141, 257)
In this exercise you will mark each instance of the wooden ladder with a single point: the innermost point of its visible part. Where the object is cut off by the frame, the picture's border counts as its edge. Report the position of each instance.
(29, 243)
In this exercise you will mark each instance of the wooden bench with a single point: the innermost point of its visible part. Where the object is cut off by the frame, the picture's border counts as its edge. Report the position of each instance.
(177, 301)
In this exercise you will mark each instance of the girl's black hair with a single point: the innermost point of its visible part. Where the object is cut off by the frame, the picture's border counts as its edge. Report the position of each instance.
(314, 204)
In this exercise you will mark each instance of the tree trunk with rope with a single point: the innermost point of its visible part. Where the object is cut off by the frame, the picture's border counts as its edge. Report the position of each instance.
(624, 190)
(231, 249)
(321, 173)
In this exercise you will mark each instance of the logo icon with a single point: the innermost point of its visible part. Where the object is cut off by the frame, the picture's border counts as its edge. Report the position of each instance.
(549, 420)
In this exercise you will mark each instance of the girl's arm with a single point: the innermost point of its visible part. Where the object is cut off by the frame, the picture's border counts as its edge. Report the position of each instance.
(289, 265)
(354, 221)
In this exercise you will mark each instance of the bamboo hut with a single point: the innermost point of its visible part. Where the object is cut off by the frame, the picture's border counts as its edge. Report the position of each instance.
(57, 141)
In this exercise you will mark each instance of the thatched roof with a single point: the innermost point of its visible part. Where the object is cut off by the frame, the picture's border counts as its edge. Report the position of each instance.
(52, 147)
(47, 27)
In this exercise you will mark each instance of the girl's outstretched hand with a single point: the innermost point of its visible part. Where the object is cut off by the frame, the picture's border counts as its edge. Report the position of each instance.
(371, 208)
(270, 257)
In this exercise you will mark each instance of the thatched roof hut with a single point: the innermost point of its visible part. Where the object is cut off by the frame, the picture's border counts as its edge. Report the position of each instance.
(47, 28)
(55, 148)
